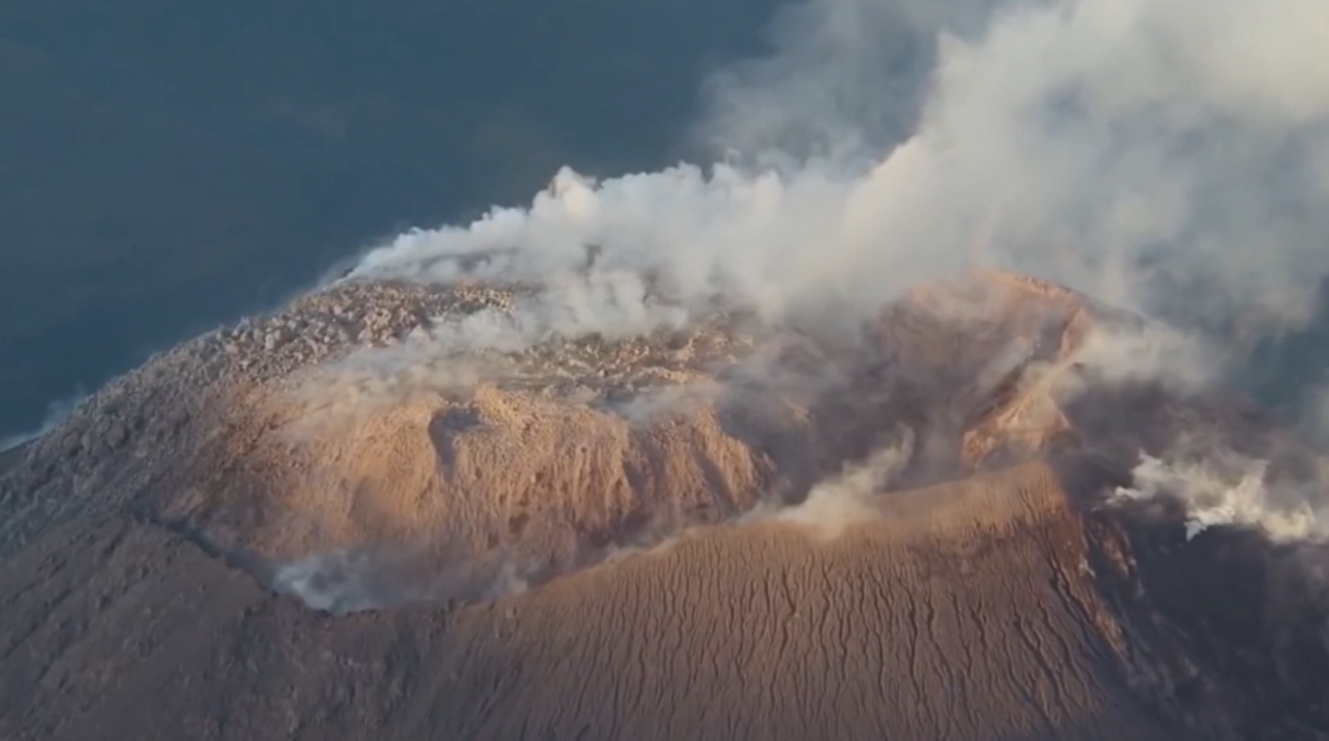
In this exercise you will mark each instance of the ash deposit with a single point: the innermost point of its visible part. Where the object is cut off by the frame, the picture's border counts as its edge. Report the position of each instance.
(920, 413)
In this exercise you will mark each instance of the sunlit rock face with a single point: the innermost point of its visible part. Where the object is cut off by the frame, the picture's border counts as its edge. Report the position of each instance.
(993, 509)
(371, 418)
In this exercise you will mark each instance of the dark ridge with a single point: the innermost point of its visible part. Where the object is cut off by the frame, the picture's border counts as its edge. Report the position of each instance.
(233, 558)
(1251, 614)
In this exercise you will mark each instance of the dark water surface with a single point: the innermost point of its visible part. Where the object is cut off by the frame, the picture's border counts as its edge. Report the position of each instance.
(166, 166)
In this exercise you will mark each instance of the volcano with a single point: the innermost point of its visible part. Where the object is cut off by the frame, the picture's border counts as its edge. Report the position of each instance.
(974, 516)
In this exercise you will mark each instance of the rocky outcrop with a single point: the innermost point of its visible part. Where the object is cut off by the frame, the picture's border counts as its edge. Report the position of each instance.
(360, 516)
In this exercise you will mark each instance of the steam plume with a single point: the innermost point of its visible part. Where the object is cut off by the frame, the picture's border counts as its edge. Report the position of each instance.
(1166, 155)
(1228, 490)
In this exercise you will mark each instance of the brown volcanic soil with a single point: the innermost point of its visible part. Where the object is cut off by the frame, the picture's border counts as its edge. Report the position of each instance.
(979, 590)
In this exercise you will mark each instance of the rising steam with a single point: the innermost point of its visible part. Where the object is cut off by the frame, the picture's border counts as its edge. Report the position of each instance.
(1223, 490)
(1165, 155)
(1168, 156)
(841, 500)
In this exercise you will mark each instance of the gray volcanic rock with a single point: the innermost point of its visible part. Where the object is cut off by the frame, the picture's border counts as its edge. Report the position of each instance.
(360, 517)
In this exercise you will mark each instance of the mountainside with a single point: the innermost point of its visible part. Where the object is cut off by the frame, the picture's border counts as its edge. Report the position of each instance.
(975, 516)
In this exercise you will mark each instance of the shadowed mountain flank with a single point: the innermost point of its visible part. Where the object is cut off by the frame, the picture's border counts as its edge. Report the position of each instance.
(978, 515)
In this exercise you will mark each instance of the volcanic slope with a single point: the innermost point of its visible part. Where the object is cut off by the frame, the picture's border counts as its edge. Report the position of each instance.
(921, 547)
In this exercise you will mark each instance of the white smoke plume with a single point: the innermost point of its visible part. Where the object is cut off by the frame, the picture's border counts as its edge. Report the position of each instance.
(1224, 490)
(841, 500)
(351, 581)
(1165, 155)
(1151, 353)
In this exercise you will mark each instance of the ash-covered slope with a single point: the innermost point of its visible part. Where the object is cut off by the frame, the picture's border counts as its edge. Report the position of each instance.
(931, 526)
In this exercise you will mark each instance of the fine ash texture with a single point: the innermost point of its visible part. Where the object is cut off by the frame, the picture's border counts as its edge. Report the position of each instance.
(727, 451)
(963, 520)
